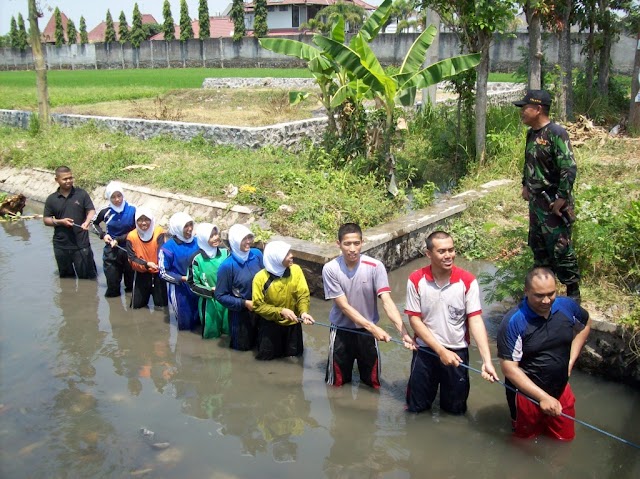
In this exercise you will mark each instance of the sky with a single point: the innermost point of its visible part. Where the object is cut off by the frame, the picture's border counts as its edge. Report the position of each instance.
(95, 11)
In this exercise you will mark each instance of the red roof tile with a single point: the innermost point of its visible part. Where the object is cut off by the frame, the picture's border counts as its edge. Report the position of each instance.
(219, 27)
(97, 34)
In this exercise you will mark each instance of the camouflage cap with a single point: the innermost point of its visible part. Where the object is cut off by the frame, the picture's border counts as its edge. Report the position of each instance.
(534, 97)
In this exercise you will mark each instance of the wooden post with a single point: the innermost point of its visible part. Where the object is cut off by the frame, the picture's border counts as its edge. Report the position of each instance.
(40, 67)
(634, 106)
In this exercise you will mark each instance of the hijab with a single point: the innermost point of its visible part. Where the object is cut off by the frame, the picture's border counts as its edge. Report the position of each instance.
(236, 234)
(145, 235)
(274, 254)
(177, 224)
(112, 188)
(203, 233)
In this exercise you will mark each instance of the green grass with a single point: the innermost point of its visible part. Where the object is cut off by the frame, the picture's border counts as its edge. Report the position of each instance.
(321, 198)
(504, 77)
(81, 87)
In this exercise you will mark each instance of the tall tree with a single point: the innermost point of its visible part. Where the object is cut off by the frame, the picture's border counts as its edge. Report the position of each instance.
(476, 22)
(23, 37)
(59, 31)
(84, 36)
(72, 33)
(109, 31)
(532, 9)
(203, 18)
(13, 33)
(123, 28)
(168, 27)
(41, 68)
(138, 34)
(564, 99)
(237, 16)
(186, 31)
(260, 28)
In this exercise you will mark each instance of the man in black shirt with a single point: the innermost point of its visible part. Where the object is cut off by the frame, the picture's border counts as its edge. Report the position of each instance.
(70, 210)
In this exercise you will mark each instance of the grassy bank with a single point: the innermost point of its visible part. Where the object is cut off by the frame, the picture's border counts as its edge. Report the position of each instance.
(321, 198)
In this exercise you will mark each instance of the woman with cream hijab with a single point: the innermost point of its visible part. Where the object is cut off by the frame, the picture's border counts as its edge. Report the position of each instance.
(174, 260)
(281, 299)
(233, 290)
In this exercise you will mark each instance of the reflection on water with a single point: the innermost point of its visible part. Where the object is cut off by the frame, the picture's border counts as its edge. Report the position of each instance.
(81, 375)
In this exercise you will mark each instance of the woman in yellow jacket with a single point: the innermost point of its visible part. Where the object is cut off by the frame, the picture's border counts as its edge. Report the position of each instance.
(281, 299)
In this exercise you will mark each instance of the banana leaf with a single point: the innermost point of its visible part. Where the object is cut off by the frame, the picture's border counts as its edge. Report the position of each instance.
(375, 22)
(292, 48)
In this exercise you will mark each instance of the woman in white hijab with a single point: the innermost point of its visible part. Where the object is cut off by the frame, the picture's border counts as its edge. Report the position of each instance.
(233, 290)
(203, 277)
(119, 218)
(174, 260)
(281, 299)
(143, 245)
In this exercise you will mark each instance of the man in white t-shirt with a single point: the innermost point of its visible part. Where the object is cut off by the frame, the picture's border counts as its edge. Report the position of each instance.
(443, 305)
(354, 282)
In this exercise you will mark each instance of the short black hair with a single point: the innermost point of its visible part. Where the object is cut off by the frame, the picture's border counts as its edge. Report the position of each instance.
(439, 234)
(62, 169)
(537, 272)
(349, 228)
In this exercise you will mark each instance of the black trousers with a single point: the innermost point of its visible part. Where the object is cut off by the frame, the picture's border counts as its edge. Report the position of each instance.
(146, 285)
(116, 266)
(76, 263)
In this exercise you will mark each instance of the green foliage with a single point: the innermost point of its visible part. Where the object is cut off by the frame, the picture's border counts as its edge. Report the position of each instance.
(23, 42)
(237, 16)
(34, 124)
(354, 16)
(72, 33)
(84, 36)
(603, 110)
(59, 31)
(168, 27)
(110, 31)
(186, 30)
(138, 33)
(260, 28)
(123, 29)
(507, 282)
(13, 33)
(424, 196)
(203, 17)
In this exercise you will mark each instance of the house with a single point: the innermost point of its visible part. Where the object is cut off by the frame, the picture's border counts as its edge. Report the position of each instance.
(97, 34)
(48, 35)
(218, 27)
(284, 17)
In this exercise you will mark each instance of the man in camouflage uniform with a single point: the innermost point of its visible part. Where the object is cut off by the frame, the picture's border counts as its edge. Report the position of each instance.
(547, 184)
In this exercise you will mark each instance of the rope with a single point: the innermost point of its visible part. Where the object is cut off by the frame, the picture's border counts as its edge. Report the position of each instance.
(502, 383)
(96, 233)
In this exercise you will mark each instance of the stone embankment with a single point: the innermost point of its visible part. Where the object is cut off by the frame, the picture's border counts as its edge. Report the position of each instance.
(611, 351)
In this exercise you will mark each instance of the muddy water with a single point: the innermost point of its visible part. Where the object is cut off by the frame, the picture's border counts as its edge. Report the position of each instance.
(80, 375)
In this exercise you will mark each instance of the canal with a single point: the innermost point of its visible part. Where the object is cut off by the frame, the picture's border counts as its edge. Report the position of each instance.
(91, 388)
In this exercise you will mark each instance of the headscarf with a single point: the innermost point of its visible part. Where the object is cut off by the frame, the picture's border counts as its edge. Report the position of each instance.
(203, 233)
(144, 211)
(274, 254)
(236, 234)
(177, 224)
(112, 188)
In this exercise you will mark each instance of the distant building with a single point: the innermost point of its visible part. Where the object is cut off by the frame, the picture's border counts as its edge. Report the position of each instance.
(284, 17)
(48, 35)
(219, 27)
(97, 34)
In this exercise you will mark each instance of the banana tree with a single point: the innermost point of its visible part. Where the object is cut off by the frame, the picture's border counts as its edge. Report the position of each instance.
(353, 72)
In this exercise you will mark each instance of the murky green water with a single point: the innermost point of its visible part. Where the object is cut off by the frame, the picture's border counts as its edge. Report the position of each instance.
(80, 375)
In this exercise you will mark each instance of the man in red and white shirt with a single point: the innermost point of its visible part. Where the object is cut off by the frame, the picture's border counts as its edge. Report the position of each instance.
(443, 305)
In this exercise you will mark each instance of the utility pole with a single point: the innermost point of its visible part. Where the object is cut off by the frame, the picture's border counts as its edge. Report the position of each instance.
(634, 106)
(41, 68)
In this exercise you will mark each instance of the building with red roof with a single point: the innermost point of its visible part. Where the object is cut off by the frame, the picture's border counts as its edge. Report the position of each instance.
(48, 35)
(97, 34)
(219, 27)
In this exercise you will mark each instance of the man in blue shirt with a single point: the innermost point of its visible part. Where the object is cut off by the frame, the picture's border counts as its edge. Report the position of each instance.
(539, 342)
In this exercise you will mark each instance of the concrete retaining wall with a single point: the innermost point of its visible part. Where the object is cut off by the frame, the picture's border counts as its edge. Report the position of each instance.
(290, 135)
(225, 53)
